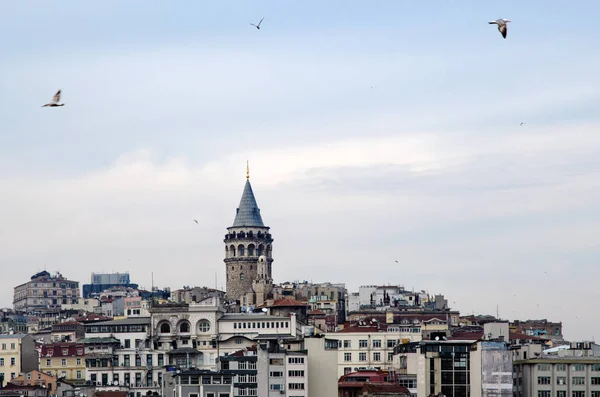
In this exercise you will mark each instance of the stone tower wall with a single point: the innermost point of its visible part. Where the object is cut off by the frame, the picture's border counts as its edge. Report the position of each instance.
(253, 242)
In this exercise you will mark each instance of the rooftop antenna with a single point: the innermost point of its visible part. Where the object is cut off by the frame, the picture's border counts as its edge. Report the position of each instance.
(497, 315)
(216, 280)
(247, 170)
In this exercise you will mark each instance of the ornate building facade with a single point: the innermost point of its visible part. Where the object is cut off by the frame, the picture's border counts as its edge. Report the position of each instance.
(248, 249)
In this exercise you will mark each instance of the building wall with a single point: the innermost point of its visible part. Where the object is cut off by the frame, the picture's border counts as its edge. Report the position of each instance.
(64, 360)
(45, 291)
(36, 378)
(17, 354)
(322, 367)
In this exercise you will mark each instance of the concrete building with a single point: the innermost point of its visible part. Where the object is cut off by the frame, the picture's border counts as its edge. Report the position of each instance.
(322, 363)
(83, 304)
(103, 281)
(11, 322)
(134, 366)
(45, 291)
(282, 367)
(17, 355)
(64, 361)
(245, 242)
(543, 328)
(195, 294)
(491, 369)
(196, 383)
(569, 371)
(370, 344)
(326, 297)
(69, 331)
(243, 364)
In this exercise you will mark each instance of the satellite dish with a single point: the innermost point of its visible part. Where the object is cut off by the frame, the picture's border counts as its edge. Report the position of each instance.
(437, 338)
(264, 309)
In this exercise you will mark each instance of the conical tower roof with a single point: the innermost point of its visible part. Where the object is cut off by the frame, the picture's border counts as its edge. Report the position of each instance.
(248, 213)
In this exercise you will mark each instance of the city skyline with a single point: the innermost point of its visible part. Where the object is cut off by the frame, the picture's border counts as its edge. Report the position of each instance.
(389, 135)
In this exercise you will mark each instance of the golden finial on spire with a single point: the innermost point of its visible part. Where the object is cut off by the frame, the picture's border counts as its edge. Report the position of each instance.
(247, 170)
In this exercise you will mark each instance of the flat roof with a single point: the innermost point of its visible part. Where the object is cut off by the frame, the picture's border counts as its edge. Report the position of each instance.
(251, 316)
(124, 321)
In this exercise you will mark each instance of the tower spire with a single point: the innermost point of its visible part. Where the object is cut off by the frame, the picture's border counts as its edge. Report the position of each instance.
(247, 170)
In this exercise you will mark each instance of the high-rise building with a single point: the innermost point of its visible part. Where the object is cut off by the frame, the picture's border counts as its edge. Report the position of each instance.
(246, 241)
(45, 291)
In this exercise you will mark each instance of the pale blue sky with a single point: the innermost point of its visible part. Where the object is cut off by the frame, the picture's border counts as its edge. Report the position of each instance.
(376, 131)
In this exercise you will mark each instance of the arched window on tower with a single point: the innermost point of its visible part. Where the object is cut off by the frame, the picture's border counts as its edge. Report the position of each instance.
(241, 276)
(241, 250)
(251, 250)
(226, 252)
(232, 251)
(260, 250)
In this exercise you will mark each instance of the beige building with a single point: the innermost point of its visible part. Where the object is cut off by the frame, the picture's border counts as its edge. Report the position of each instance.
(64, 361)
(567, 371)
(17, 354)
(370, 345)
(36, 378)
(45, 291)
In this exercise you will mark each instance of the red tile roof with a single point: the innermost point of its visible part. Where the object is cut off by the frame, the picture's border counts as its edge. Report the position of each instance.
(393, 389)
(111, 394)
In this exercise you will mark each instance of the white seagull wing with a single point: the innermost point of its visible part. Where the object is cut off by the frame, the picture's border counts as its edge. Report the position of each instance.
(56, 97)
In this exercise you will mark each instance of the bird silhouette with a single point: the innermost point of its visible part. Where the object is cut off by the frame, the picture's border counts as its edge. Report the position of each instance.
(195, 221)
(258, 26)
(55, 101)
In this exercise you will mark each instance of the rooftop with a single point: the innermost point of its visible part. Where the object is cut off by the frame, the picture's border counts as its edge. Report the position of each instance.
(12, 336)
(284, 302)
(250, 316)
(124, 321)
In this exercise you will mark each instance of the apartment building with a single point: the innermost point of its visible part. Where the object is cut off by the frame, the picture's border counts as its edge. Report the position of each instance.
(37, 378)
(195, 383)
(133, 364)
(567, 371)
(64, 361)
(282, 367)
(322, 366)
(370, 344)
(242, 363)
(17, 355)
(45, 291)
(69, 331)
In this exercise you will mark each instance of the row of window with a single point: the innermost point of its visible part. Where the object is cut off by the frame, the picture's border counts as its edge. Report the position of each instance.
(63, 362)
(291, 373)
(104, 362)
(247, 392)
(364, 343)
(64, 351)
(562, 380)
(563, 367)
(563, 393)
(247, 365)
(362, 356)
(246, 379)
(184, 327)
(95, 329)
(13, 346)
(13, 361)
(63, 374)
(261, 324)
(291, 386)
(104, 379)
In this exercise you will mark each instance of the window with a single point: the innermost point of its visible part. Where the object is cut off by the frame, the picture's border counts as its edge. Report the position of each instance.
(363, 343)
(161, 360)
(544, 367)
(561, 380)
(578, 393)
(562, 393)
(79, 376)
(275, 361)
(184, 327)
(347, 344)
(203, 325)
(296, 360)
(165, 328)
(296, 386)
(12, 346)
(128, 341)
(13, 361)
(63, 362)
(578, 380)
(276, 386)
(362, 356)
(377, 356)
(376, 343)
(347, 370)
(561, 367)
(251, 378)
(78, 361)
(347, 357)
(390, 356)
(595, 393)
(4, 346)
(296, 374)
(595, 381)
(276, 374)
(242, 379)
(48, 362)
(2, 362)
(252, 365)
(544, 393)
(242, 365)
(578, 367)
(596, 367)
(544, 380)
(391, 343)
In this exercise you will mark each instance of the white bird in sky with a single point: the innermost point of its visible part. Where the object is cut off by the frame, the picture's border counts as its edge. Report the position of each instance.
(55, 101)
(258, 26)
(501, 25)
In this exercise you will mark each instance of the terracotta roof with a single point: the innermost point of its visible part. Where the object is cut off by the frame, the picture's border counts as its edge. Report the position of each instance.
(111, 394)
(285, 302)
(393, 389)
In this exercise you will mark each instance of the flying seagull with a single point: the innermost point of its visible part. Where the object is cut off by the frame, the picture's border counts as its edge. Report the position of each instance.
(55, 101)
(501, 25)
(195, 221)
(258, 26)
(520, 125)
